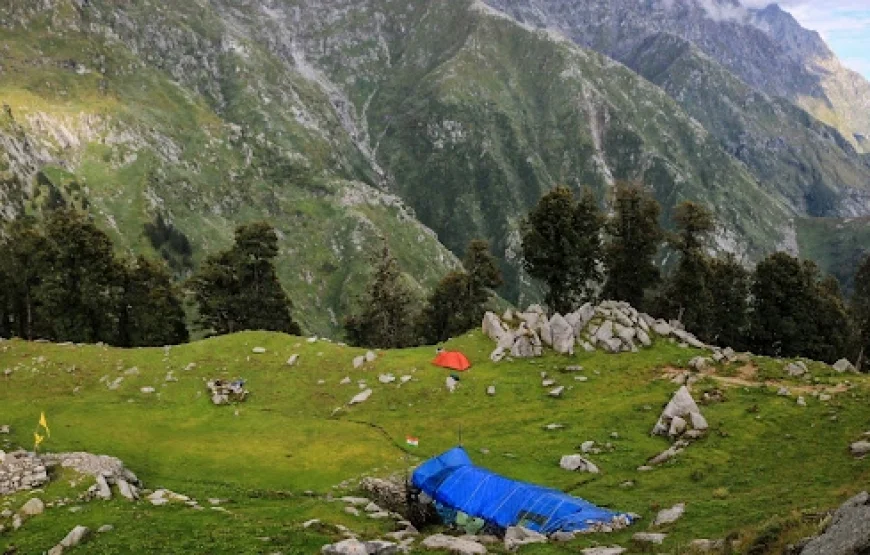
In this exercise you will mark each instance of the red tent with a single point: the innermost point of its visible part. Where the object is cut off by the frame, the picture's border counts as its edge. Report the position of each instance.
(453, 360)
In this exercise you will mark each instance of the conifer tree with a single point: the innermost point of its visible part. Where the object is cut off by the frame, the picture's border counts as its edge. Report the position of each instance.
(79, 294)
(23, 260)
(151, 311)
(238, 289)
(459, 300)
(384, 319)
(561, 245)
(861, 312)
(634, 237)
(687, 293)
(729, 285)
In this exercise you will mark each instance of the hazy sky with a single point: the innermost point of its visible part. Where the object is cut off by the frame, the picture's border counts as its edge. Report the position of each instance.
(844, 24)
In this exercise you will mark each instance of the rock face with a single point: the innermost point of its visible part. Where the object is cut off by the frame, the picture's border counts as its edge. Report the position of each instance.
(678, 414)
(613, 327)
(848, 533)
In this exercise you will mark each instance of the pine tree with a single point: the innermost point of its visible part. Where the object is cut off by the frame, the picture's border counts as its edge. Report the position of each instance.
(458, 302)
(78, 297)
(860, 309)
(729, 284)
(24, 263)
(239, 289)
(795, 312)
(687, 294)
(385, 318)
(151, 311)
(634, 237)
(561, 245)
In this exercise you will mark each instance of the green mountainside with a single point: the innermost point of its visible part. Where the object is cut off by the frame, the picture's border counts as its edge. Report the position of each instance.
(763, 475)
(428, 123)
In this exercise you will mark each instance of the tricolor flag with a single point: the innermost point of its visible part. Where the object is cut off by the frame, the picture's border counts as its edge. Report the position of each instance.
(412, 441)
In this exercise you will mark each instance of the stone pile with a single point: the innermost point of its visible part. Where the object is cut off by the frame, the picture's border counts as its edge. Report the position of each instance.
(681, 417)
(224, 392)
(21, 470)
(107, 471)
(614, 327)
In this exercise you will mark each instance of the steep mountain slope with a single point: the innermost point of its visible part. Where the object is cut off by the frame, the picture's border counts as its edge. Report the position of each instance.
(794, 155)
(211, 113)
(159, 115)
(766, 48)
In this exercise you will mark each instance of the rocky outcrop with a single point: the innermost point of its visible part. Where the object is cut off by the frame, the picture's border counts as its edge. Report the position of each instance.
(223, 392)
(681, 415)
(613, 327)
(848, 532)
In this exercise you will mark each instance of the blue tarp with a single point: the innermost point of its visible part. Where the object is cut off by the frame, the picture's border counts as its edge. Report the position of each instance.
(452, 480)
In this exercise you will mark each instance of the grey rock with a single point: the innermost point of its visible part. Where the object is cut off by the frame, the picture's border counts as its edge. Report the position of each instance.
(516, 536)
(361, 397)
(359, 361)
(75, 536)
(860, 448)
(103, 489)
(34, 506)
(801, 402)
(796, 369)
(614, 550)
(562, 335)
(451, 383)
(292, 360)
(345, 547)
(462, 546)
(490, 390)
(578, 463)
(563, 536)
(557, 391)
(848, 533)
(258, 350)
(105, 528)
(707, 546)
(669, 516)
(370, 356)
(844, 365)
(649, 537)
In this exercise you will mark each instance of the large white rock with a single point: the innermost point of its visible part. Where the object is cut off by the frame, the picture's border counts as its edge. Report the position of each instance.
(605, 332)
(293, 360)
(515, 536)
(562, 335)
(843, 365)
(578, 463)
(103, 489)
(860, 448)
(669, 516)
(361, 397)
(644, 338)
(345, 547)
(33, 507)
(75, 536)
(493, 326)
(463, 546)
(359, 361)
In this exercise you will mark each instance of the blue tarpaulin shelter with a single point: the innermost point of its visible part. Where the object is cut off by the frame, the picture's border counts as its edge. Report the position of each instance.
(451, 479)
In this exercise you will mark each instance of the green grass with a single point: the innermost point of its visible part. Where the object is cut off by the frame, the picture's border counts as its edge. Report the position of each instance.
(764, 458)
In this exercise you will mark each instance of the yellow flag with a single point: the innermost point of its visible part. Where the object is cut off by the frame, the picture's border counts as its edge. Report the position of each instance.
(44, 423)
(37, 440)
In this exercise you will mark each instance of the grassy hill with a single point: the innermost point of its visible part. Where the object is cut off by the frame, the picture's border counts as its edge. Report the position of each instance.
(765, 461)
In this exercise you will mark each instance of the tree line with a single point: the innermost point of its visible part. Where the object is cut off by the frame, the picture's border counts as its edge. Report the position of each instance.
(61, 280)
(785, 307)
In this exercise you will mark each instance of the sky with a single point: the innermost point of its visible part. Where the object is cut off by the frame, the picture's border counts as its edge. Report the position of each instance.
(844, 24)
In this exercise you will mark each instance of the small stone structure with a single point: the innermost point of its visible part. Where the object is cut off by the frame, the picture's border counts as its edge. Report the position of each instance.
(224, 392)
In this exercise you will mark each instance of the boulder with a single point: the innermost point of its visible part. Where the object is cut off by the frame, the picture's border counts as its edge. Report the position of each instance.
(669, 516)
(546, 333)
(678, 426)
(698, 421)
(848, 532)
(361, 397)
(34, 506)
(293, 360)
(605, 332)
(844, 365)
(644, 339)
(515, 536)
(681, 406)
(493, 327)
(386, 378)
(359, 361)
(345, 547)
(103, 490)
(498, 354)
(795, 369)
(371, 356)
(860, 448)
(649, 538)
(556, 391)
(614, 550)
(699, 364)
(662, 328)
(463, 546)
(578, 463)
(75, 536)
(562, 335)
(625, 333)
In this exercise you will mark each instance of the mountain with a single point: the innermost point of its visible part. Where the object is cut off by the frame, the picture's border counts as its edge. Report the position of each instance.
(767, 48)
(426, 123)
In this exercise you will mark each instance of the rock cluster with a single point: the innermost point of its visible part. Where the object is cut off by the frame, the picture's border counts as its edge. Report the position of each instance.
(681, 417)
(21, 470)
(611, 326)
(107, 471)
(223, 392)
